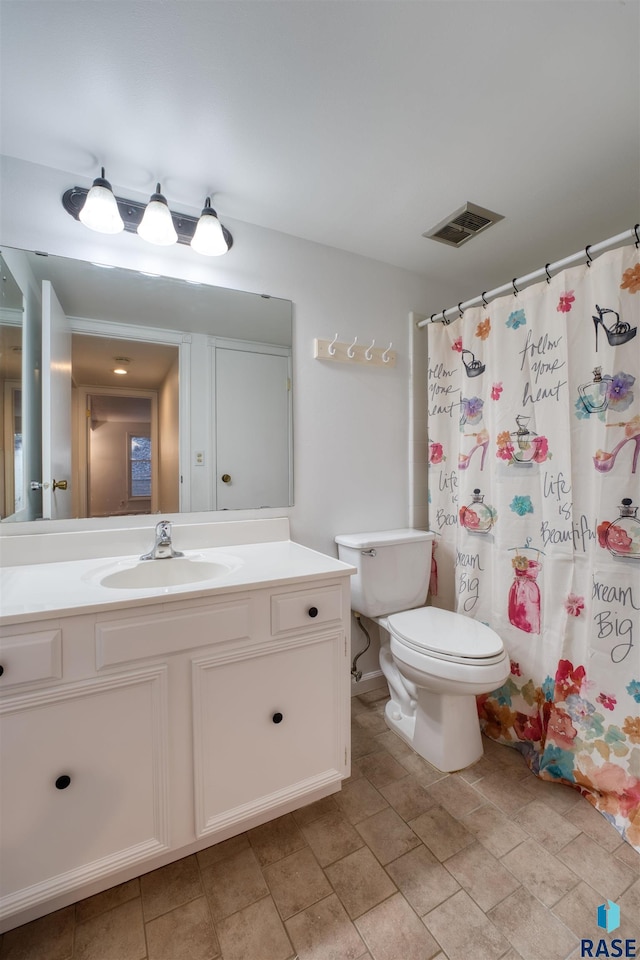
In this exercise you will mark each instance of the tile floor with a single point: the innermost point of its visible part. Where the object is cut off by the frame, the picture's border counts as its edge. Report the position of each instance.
(405, 863)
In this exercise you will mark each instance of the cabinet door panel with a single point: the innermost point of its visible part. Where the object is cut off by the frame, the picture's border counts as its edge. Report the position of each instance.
(263, 724)
(108, 737)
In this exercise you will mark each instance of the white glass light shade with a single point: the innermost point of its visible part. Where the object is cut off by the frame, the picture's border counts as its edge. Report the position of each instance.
(156, 225)
(209, 239)
(100, 210)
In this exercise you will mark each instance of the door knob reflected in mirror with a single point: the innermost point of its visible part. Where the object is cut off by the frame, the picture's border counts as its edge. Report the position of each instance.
(60, 485)
(226, 478)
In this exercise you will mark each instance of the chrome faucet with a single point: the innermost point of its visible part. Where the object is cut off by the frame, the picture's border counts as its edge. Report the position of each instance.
(162, 548)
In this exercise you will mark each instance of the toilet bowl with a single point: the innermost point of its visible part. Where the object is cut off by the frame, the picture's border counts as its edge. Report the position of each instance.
(435, 662)
(443, 661)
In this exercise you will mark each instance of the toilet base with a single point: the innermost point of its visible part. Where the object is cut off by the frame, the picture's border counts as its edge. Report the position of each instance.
(444, 730)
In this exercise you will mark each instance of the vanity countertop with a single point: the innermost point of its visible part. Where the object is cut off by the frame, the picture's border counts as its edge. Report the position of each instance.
(38, 591)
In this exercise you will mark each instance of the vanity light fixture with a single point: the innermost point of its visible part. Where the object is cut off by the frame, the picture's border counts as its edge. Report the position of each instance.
(100, 210)
(209, 239)
(156, 225)
(154, 221)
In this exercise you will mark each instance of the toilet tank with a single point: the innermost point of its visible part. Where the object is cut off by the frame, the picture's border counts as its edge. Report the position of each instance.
(393, 567)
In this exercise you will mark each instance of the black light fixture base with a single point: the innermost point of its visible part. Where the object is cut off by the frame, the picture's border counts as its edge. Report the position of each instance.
(132, 212)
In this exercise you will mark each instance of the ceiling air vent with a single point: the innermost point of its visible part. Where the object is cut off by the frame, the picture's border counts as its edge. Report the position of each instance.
(465, 223)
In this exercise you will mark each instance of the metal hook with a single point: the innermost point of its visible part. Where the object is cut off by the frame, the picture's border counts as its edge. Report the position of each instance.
(546, 267)
(444, 318)
(351, 352)
(485, 304)
(635, 230)
(588, 256)
(385, 358)
(515, 289)
(331, 349)
(367, 354)
(461, 310)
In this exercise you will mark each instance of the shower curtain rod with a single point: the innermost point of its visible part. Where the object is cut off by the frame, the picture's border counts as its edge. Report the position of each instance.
(519, 282)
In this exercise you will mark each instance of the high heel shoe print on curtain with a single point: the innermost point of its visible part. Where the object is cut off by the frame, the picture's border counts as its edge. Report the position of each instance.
(604, 461)
(482, 442)
(524, 595)
(618, 332)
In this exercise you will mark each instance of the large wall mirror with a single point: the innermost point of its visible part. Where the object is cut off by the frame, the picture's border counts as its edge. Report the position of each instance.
(127, 393)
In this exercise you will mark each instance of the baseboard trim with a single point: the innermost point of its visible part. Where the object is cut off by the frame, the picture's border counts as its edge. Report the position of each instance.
(369, 681)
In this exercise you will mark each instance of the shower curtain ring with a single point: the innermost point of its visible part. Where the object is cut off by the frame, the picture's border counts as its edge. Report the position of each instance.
(588, 255)
(515, 289)
(461, 310)
(484, 302)
(444, 318)
(635, 230)
(546, 268)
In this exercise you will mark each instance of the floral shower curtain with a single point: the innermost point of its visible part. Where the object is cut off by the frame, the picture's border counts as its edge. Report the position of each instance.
(534, 486)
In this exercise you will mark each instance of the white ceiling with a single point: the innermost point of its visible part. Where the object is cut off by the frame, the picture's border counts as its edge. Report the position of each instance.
(354, 123)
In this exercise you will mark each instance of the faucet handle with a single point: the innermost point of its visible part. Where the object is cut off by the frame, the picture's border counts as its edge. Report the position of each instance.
(163, 529)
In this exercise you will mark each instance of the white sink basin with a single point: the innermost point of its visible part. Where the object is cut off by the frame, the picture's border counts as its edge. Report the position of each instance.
(172, 572)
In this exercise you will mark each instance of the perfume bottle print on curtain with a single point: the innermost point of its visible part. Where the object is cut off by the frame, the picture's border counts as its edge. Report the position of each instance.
(524, 593)
(593, 395)
(478, 516)
(621, 537)
(522, 446)
(603, 393)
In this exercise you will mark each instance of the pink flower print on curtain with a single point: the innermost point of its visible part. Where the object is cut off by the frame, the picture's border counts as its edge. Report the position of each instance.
(524, 595)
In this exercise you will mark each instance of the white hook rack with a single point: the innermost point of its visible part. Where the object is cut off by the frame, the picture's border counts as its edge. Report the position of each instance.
(354, 352)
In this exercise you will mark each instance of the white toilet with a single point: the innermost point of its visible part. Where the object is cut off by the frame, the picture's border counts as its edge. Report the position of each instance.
(434, 661)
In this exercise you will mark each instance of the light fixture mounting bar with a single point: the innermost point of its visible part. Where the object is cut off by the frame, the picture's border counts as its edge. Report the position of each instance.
(132, 212)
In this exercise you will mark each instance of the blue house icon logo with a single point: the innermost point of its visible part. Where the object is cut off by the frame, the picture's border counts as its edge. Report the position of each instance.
(609, 917)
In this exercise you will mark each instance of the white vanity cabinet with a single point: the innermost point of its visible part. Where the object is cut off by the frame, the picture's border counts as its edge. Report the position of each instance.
(84, 783)
(136, 735)
(269, 716)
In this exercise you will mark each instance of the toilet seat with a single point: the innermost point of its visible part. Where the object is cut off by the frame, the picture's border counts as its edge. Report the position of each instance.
(443, 635)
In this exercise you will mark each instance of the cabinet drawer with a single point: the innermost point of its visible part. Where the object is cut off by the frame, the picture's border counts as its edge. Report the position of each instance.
(305, 608)
(154, 635)
(31, 657)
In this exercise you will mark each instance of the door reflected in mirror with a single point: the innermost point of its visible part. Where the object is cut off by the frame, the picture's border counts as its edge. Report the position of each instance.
(12, 477)
(127, 431)
(204, 391)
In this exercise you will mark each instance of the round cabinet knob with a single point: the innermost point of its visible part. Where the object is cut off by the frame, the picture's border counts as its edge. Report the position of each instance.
(313, 612)
(63, 782)
(226, 478)
(277, 718)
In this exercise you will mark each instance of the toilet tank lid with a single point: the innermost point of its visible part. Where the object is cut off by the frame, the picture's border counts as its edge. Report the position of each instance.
(382, 538)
